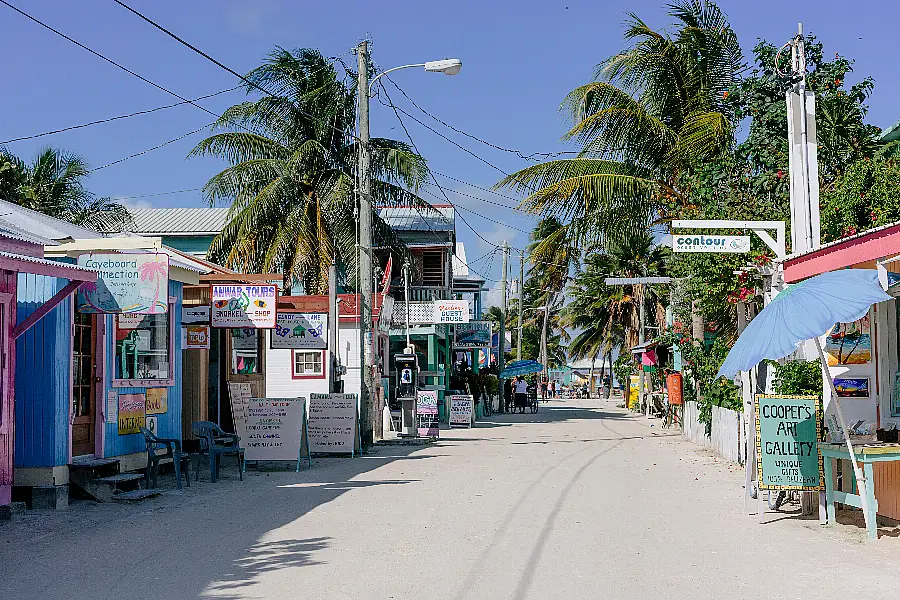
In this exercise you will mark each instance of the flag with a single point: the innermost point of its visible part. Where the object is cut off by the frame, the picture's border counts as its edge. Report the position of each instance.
(386, 280)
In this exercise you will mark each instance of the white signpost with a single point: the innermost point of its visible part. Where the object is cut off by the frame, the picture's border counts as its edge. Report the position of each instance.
(451, 311)
(731, 244)
(300, 330)
(334, 423)
(276, 430)
(461, 408)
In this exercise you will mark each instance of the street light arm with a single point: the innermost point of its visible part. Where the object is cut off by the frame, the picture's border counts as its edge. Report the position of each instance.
(372, 83)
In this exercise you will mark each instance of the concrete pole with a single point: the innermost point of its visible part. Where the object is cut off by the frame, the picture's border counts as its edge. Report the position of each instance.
(501, 341)
(545, 373)
(406, 301)
(521, 302)
(332, 325)
(365, 247)
(639, 293)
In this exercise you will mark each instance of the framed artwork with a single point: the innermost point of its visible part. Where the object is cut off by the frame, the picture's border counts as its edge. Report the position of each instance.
(850, 343)
(852, 387)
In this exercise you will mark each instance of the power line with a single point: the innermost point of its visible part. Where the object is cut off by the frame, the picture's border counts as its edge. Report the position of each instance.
(142, 152)
(500, 204)
(477, 187)
(477, 214)
(199, 189)
(134, 114)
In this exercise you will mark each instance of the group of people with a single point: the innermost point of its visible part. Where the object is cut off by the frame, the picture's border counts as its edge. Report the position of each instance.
(515, 393)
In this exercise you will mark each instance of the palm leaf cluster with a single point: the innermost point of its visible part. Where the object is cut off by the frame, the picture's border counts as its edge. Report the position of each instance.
(54, 184)
(291, 184)
(651, 111)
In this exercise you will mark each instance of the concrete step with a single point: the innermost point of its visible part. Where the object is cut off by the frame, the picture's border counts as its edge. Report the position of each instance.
(135, 495)
(121, 478)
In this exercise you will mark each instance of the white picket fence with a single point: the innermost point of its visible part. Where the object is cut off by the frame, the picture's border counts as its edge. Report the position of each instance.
(728, 437)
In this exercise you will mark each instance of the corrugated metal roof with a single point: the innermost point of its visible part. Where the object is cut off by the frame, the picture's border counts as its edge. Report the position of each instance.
(178, 221)
(408, 218)
(43, 225)
(44, 261)
(12, 232)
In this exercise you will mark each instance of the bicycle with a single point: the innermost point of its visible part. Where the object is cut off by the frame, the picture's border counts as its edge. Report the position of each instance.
(534, 405)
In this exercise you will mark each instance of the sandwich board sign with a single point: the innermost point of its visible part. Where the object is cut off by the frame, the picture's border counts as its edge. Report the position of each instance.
(461, 409)
(275, 429)
(334, 424)
(788, 430)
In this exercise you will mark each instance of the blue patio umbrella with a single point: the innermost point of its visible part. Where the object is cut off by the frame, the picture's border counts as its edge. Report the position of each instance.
(521, 367)
(806, 311)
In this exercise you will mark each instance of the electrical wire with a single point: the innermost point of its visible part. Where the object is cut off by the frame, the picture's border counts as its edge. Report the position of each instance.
(478, 214)
(477, 187)
(142, 152)
(100, 121)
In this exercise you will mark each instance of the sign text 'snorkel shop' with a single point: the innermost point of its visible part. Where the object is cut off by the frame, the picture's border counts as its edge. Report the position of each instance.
(126, 283)
(238, 306)
(788, 429)
(732, 244)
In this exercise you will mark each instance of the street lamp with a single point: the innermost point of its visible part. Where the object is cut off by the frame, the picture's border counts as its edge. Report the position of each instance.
(450, 66)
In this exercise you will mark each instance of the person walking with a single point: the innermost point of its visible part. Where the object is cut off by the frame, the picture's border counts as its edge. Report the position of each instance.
(521, 393)
(507, 392)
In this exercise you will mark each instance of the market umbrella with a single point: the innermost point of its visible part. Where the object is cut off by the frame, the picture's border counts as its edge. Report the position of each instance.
(521, 367)
(806, 311)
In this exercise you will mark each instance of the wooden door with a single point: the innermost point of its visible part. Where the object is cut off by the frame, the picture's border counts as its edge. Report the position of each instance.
(7, 412)
(84, 396)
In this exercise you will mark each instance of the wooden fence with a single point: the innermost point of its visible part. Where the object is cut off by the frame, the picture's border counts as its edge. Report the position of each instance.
(728, 432)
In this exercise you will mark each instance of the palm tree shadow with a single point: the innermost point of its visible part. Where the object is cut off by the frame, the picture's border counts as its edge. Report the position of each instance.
(265, 557)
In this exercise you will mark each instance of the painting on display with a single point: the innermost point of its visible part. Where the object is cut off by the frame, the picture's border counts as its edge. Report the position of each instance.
(126, 283)
(849, 343)
(852, 387)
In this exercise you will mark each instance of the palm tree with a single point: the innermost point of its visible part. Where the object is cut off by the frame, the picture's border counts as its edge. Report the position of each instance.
(652, 111)
(290, 184)
(53, 184)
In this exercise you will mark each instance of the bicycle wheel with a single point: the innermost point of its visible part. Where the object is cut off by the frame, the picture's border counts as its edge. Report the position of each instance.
(534, 406)
(776, 499)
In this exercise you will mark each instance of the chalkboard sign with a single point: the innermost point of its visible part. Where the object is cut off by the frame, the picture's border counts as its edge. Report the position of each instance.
(239, 394)
(427, 424)
(275, 429)
(333, 423)
(461, 408)
(788, 429)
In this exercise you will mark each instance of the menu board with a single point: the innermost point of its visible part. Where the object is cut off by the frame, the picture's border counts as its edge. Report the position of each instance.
(427, 424)
(239, 394)
(274, 429)
(788, 429)
(461, 408)
(333, 423)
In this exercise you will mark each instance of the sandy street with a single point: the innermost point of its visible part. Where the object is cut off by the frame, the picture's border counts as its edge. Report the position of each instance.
(579, 501)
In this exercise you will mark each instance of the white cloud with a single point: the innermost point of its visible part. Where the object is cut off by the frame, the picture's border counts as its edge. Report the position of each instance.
(493, 297)
(132, 203)
(251, 18)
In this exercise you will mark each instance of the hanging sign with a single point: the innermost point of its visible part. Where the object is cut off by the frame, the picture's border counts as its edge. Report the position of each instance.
(243, 306)
(427, 424)
(333, 423)
(474, 334)
(274, 429)
(451, 311)
(461, 408)
(300, 330)
(731, 244)
(195, 337)
(126, 283)
(157, 401)
(193, 315)
(132, 413)
(788, 429)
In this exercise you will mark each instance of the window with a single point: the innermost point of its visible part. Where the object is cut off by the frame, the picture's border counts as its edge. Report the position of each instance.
(143, 349)
(245, 351)
(309, 365)
(433, 268)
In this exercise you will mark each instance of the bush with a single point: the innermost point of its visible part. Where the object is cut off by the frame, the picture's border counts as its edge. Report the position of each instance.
(798, 378)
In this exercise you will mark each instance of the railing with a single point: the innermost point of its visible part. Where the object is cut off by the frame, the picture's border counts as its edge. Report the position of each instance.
(419, 293)
(419, 313)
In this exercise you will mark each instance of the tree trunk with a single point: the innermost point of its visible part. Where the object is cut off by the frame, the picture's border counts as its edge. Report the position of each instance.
(697, 324)
(608, 391)
(591, 377)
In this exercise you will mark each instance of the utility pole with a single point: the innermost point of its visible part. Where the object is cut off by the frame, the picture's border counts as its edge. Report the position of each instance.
(332, 324)
(366, 387)
(521, 302)
(501, 341)
(544, 359)
(409, 346)
(643, 319)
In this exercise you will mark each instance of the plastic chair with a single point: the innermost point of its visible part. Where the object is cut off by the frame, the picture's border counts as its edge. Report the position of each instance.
(173, 451)
(216, 442)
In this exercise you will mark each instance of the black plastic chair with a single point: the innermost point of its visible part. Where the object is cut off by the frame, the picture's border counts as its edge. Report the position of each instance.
(216, 443)
(172, 450)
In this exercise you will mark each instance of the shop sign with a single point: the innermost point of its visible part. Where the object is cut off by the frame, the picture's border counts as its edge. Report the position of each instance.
(195, 337)
(474, 334)
(333, 423)
(427, 424)
(157, 401)
(461, 408)
(788, 429)
(126, 283)
(132, 413)
(244, 338)
(731, 244)
(451, 311)
(300, 330)
(195, 315)
(274, 429)
(244, 306)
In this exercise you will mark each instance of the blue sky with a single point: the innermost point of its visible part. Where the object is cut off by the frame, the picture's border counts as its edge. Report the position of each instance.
(520, 59)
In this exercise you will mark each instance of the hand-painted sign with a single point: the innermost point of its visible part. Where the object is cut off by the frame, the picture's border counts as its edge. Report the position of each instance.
(244, 306)
(300, 330)
(157, 401)
(474, 334)
(731, 244)
(132, 413)
(427, 424)
(195, 315)
(333, 423)
(461, 408)
(195, 337)
(788, 429)
(126, 283)
(451, 311)
(239, 393)
(274, 429)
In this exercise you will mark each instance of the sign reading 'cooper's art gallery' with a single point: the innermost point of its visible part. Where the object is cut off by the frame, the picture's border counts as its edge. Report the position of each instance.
(732, 244)
(788, 429)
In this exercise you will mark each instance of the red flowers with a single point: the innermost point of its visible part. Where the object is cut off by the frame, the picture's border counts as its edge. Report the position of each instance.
(779, 174)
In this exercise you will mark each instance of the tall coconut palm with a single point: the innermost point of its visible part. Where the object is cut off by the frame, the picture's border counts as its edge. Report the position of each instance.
(652, 111)
(290, 185)
(54, 184)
